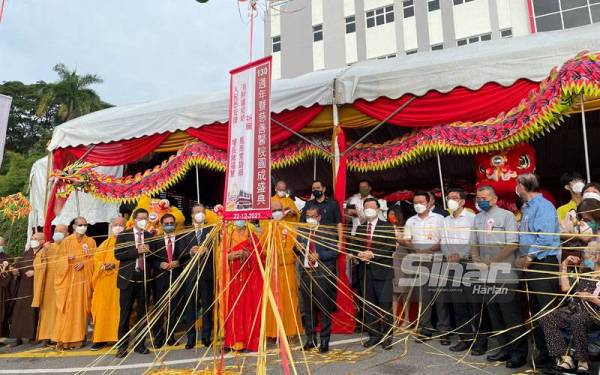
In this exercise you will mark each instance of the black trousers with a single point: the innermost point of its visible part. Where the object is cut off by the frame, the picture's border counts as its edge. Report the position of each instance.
(505, 313)
(173, 313)
(463, 310)
(480, 319)
(379, 317)
(318, 293)
(202, 295)
(133, 293)
(539, 301)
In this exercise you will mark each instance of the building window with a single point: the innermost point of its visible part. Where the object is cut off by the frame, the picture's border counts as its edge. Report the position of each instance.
(506, 33)
(458, 2)
(276, 42)
(408, 7)
(317, 33)
(474, 39)
(565, 14)
(380, 16)
(385, 57)
(437, 47)
(350, 24)
(411, 51)
(433, 5)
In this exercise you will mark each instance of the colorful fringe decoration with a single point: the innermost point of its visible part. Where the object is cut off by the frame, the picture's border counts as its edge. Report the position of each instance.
(14, 207)
(544, 109)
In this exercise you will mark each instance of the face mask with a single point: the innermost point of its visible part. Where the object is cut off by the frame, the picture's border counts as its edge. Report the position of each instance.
(34, 244)
(317, 194)
(589, 263)
(81, 229)
(281, 193)
(199, 217)
(58, 236)
(240, 223)
(577, 187)
(169, 228)
(452, 205)
(593, 225)
(116, 230)
(277, 215)
(364, 191)
(591, 195)
(420, 208)
(311, 221)
(370, 213)
(141, 224)
(484, 205)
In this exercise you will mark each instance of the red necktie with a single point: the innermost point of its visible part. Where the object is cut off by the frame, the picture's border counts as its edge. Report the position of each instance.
(140, 261)
(169, 249)
(369, 236)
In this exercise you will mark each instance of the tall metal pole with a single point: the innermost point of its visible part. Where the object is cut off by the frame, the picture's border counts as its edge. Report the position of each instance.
(197, 187)
(585, 142)
(439, 164)
(77, 202)
(314, 168)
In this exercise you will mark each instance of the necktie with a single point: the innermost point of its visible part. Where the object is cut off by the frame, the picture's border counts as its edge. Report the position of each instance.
(199, 236)
(369, 236)
(140, 261)
(312, 248)
(169, 249)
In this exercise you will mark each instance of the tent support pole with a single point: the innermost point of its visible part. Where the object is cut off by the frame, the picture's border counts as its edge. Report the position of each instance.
(379, 125)
(439, 164)
(314, 168)
(300, 136)
(585, 142)
(77, 202)
(197, 187)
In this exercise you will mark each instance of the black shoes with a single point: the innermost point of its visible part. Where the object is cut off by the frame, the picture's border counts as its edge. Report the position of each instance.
(478, 351)
(171, 342)
(18, 342)
(445, 341)
(460, 346)
(500, 356)
(310, 344)
(190, 345)
(98, 346)
(142, 350)
(387, 344)
(324, 348)
(206, 342)
(121, 353)
(371, 342)
(516, 362)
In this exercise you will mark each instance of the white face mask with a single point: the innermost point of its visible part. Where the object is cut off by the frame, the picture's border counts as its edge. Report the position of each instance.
(277, 215)
(281, 193)
(311, 221)
(34, 244)
(116, 230)
(141, 224)
(81, 229)
(370, 213)
(591, 195)
(577, 187)
(452, 205)
(58, 236)
(199, 217)
(420, 208)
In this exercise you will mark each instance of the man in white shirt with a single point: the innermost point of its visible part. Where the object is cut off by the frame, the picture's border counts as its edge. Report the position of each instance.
(422, 237)
(355, 205)
(455, 241)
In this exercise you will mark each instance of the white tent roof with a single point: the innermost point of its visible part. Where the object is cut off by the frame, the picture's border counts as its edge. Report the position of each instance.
(503, 61)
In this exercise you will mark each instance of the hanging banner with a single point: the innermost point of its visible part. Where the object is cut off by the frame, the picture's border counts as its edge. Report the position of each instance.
(4, 110)
(248, 182)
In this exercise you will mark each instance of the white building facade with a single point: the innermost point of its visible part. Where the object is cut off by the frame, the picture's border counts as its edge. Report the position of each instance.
(308, 35)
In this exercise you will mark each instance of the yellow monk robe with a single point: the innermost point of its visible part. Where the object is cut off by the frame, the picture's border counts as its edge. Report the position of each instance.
(73, 291)
(284, 283)
(44, 292)
(287, 202)
(105, 300)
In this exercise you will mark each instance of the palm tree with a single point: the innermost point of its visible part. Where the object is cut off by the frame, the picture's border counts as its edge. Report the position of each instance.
(71, 94)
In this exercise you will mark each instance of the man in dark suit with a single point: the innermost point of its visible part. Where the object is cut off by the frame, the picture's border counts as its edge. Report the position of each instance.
(167, 262)
(318, 287)
(374, 245)
(200, 281)
(133, 251)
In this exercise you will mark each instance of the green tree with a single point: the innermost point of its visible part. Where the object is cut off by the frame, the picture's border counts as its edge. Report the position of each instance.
(14, 175)
(72, 95)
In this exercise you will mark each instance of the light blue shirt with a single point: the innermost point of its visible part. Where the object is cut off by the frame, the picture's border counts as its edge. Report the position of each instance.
(539, 216)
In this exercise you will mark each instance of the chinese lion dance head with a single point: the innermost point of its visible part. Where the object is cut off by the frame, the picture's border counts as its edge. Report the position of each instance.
(157, 208)
(500, 169)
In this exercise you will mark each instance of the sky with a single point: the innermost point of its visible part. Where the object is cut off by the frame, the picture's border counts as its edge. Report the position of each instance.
(142, 49)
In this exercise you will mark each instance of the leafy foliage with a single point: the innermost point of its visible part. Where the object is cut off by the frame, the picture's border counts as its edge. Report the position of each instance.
(15, 235)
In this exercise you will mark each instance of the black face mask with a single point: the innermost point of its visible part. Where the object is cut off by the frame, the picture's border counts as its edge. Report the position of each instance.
(317, 193)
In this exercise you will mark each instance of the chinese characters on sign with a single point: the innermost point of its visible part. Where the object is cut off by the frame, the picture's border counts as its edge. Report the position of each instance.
(248, 181)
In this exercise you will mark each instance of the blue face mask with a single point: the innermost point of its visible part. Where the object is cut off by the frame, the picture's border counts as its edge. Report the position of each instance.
(593, 225)
(588, 263)
(240, 223)
(484, 205)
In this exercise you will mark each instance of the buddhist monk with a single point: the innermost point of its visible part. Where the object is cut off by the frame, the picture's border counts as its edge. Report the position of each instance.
(289, 209)
(105, 299)
(5, 278)
(284, 282)
(244, 291)
(74, 287)
(24, 317)
(44, 290)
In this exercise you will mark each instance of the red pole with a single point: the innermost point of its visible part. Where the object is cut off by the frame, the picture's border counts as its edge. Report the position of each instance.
(2, 9)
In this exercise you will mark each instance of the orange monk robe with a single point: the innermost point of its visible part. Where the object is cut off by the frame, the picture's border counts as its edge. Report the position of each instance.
(73, 291)
(105, 299)
(284, 282)
(44, 292)
(287, 202)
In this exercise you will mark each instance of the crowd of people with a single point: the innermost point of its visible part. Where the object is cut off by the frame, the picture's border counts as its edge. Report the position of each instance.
(484, 278)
